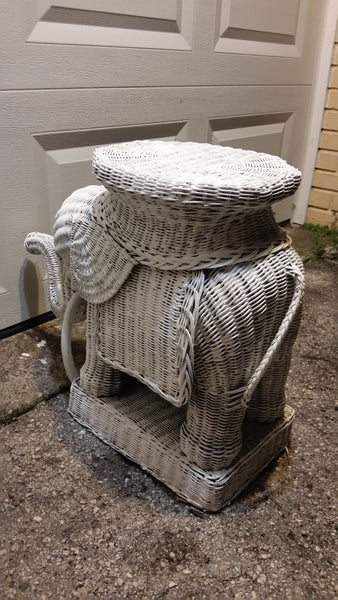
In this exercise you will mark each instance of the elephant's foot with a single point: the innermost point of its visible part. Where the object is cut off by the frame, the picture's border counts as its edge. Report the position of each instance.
(267, 405)
(211, 436)
(99, 379)
(268, 401)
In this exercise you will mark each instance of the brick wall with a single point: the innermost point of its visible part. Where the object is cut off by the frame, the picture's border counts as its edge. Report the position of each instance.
(323, 205)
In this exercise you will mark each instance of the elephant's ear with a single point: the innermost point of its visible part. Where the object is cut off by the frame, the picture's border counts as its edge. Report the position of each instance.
(98, 265)
(73, 209)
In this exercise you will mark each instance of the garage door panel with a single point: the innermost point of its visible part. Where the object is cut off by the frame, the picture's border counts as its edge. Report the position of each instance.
(161, 9)
(72, 110)
(107, 47)
(262, 133)
(27, 293)
(47, 143)
(264, 16)
(133, 67)
(162, 24)
(67, 156)
(265, 27)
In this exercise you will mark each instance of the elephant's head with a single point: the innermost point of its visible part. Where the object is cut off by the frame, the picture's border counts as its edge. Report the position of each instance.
(82, 257)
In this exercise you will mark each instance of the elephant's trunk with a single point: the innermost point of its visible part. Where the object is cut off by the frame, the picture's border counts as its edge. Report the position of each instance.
(40, 243)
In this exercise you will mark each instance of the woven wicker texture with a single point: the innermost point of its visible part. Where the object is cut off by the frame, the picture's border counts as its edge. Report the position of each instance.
(186, 237)
(191, 206)
(150, 338)
(146, 429)
(196, 174)
(90, 259)
(248, 320)
(58, 294)
(213, 339)
(193, 290)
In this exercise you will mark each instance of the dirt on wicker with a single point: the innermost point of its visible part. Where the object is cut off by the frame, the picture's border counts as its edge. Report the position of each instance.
(81, 522)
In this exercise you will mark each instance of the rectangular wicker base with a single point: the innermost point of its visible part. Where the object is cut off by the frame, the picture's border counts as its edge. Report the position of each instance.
(146, 429)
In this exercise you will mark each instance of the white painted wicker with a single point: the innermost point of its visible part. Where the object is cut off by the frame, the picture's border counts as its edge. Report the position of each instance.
(146, 429)
(193, 290)
(191, 206)
(204, 176)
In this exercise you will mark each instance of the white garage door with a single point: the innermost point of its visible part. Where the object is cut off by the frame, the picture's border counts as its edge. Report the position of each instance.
(76, 74)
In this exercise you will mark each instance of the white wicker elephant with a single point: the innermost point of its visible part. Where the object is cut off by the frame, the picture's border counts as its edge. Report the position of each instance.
(216, 339)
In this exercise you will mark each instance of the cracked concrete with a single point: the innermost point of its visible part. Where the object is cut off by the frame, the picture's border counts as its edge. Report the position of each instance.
(31, 368)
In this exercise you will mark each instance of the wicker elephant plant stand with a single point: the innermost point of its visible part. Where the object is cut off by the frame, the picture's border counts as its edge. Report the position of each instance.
(193, 299)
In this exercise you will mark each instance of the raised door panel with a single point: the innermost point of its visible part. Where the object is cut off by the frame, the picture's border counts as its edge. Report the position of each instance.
(147, 24)
(262, 27)
(66, 156)
(58, 44)
(272, 133)
(72, 44)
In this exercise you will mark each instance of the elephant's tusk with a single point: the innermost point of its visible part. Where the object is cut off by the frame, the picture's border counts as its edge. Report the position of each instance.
(66, 336)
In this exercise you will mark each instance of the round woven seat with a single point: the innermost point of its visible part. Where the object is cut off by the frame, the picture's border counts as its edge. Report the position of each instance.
(195, 174)
(185, 205)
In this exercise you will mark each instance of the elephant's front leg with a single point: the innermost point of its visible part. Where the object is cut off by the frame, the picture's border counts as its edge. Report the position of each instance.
(97, 378)
(211, 436)
(268, 400)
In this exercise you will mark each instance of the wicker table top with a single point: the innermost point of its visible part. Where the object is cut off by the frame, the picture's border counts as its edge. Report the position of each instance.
(193, 173)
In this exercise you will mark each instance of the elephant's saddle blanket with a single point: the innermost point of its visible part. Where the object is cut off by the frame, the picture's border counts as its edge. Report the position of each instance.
(147, 329)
